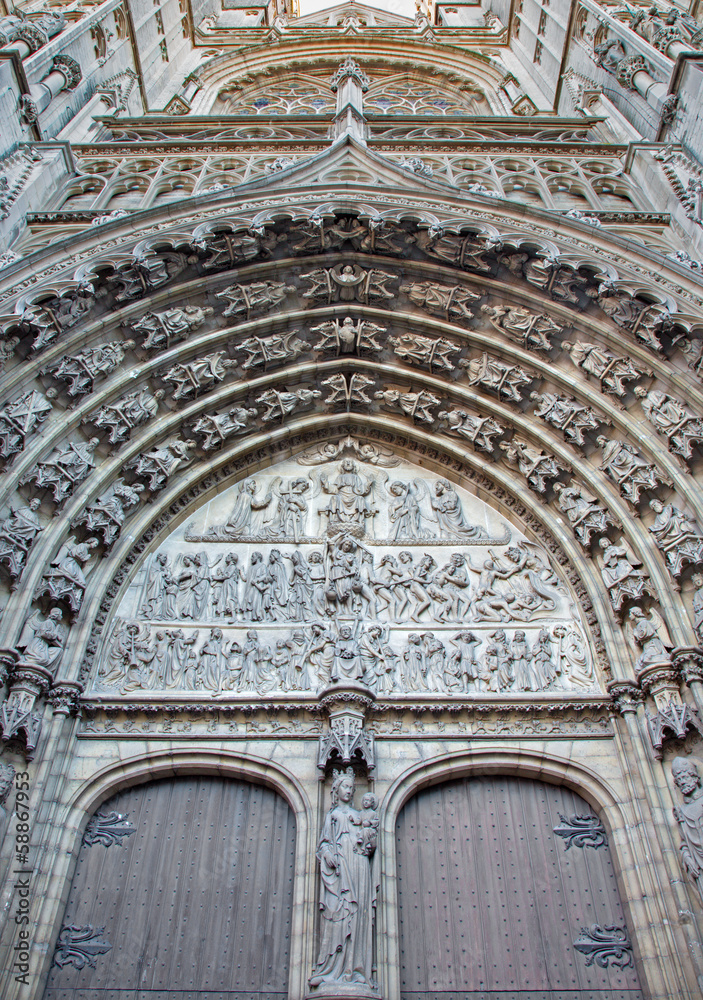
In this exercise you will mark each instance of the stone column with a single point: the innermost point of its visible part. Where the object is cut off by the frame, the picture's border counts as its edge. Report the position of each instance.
(65, 75)
(632, 73)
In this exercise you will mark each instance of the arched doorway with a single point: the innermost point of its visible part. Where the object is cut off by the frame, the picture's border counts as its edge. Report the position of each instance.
(183, 887)
(506, 888)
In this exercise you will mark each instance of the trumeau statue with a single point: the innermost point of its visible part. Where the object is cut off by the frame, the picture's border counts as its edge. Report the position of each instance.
(689, 816)
(349, 877)
(303, 577)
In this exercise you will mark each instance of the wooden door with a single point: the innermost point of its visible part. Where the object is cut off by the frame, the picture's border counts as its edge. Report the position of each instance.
(507, 892)
(183, 889)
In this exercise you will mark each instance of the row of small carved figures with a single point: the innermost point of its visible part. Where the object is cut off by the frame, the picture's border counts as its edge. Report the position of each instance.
(513, 586)
(140, 658)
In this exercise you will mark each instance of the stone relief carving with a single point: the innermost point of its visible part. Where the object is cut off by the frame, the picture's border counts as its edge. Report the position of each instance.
(271, 350)
(42, 639)
(7, 349)
(650, 634)
(611, 370)
(106, 516)
(535, 465)
(419, 350)
(214, 429)
(474, 253)
(643, 320)
(21, 418)
(65, 580)
(622, 576)
(158, 464)
(480, 431)
(229, 248)
(673, 420)
(193, 377)
(17, 535)
(133, 410)
(568, 416)
(689, 817)
(293, 580)
(280, 404)
(161, 329)
(532, 331)
(79, 372)
(450, 301)
(505, 381)
(347, 389)
(630, 472)
(67, 466)
(348, 283)
(678, 536)
(257, 297)
(348, 337)
(349, 882)
(589, 519)
(48, 320)
(417, 405)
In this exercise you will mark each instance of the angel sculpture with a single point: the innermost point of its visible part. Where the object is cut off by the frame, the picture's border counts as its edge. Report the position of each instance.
(404, 509)
(651, 635)
(348, 337)
(291, 513)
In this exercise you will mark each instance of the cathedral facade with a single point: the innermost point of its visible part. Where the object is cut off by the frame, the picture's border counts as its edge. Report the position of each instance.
(351, 532)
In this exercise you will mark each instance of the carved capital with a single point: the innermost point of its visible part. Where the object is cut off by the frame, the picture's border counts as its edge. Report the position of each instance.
(626, 695)
(688, 661)
(64, 697)
(628, 68)
(69, 68)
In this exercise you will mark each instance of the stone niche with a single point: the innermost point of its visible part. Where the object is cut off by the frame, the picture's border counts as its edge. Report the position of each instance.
(345, 564)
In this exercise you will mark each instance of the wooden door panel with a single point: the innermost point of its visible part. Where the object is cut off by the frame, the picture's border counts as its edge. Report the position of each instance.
(492, 901)
(196, 902)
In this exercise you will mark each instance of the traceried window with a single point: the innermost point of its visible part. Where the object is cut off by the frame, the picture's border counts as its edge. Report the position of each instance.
(410, 98)
(285, 98)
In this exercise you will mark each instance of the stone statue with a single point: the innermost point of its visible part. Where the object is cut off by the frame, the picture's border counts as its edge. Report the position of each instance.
(536, 466)
(348, 337)
(651, 636)
(345, 390)
(80, 371)
(689, 816)
(697, 606)
(272, 350)
(67, 466)
(280, 404)
(65, 580)
(480, 431)
(17, 534)
(678, 536)
(250, 300)
(641, 319)
(217, 427)
(43, 639)
(673, 420)
(567, 415)
(415, 349)
(611, 370)
(531, 331)
(447, 508)
(588, 518)
(628, 470)
(505, 380)
(160, 463)
(51, 318)
(20, 418)
(161, 329)
(106, 516)
(348, 283)
(193, 377)
(621, 575)
(450, 301)
(348, 894)
(413, 404)
(132, 410)
(350, 504)
(458, 250)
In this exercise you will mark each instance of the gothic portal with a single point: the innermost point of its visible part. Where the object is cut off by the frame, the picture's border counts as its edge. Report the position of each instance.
(351, 545)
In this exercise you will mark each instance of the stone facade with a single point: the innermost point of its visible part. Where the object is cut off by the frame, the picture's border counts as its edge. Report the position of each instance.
(351, 426)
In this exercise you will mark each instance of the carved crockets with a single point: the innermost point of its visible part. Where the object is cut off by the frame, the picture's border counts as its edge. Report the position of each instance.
(349, 878)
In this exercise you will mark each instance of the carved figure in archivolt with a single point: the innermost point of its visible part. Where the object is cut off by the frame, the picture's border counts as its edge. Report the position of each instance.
(612, 371)
(505, 380)
(161, 329)
(589, 519)
(419, 350)
(470, 252)
(21, 418)
(568, 416)
(531, 331)
(629, 470)
(416, 405)
(348, 893)
(216, 428)
(537, 466)
(17, 534)
(450, 301)
(347, 389)
(689, 817)
(132, 410)
(106, 516)
(66, 467)
(348, 337)
(348, 283)
(650, 633)
(622, 576)
(193, 377)
(678, 535)
(43, 638)
(255, 298)
(673, 420)
(160, 463)
(480, 431)
(80, 371)
(271, 350)
(280, 404)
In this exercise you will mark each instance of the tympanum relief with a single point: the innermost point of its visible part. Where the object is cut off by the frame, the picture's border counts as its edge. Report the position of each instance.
(332, 569)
